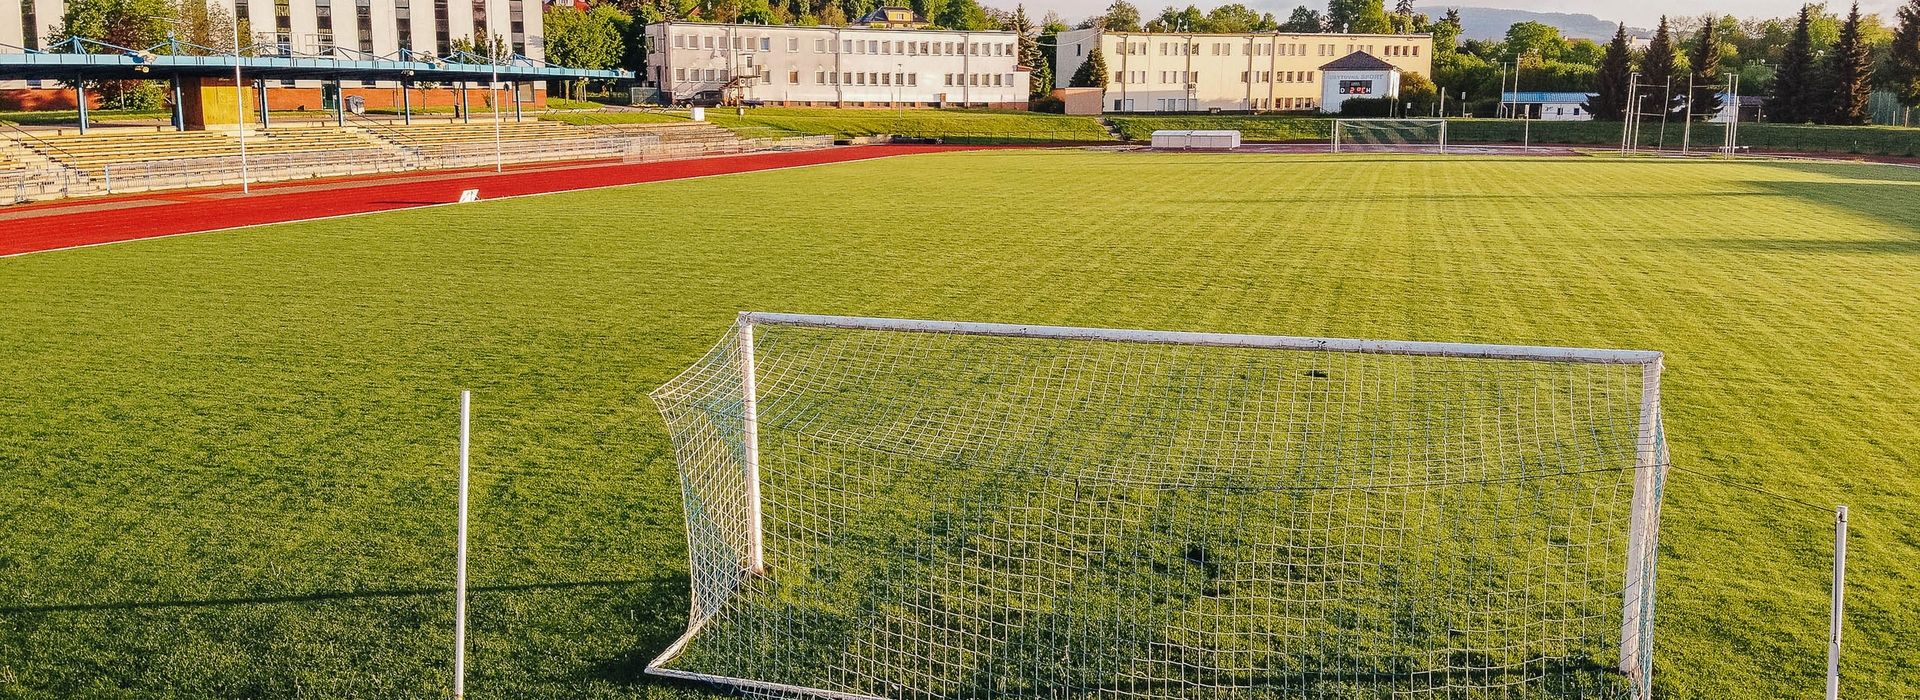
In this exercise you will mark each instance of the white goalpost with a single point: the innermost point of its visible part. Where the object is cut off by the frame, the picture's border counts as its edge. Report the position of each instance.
(1389, 135)
(890, 508)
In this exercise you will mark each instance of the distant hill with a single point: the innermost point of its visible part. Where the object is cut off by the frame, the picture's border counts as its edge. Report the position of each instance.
(1491, 23)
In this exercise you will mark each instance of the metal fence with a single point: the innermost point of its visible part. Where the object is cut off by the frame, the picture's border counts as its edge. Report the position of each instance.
(39, 183)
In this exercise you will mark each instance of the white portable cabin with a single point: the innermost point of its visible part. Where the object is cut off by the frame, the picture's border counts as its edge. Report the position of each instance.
(1185, 139)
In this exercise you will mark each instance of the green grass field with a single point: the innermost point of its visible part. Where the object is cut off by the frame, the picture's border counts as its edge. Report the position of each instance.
(226, 460)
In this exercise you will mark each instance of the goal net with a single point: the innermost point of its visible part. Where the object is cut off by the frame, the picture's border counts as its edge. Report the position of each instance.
(1389, 135)
(898, 509)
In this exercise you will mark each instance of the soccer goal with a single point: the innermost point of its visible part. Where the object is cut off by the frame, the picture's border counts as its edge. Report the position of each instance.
(1390, 135)
(884, 508)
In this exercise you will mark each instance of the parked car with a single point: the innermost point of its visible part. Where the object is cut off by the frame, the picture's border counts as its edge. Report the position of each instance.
(704, 98)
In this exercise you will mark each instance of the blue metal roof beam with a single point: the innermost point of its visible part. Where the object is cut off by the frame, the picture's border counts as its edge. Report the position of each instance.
(122, 63)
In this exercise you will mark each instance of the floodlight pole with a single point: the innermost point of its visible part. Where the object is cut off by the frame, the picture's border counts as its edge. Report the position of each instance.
(1839, 601)
(750, 450)
(499, 163)
(240, 107)
(460, 560)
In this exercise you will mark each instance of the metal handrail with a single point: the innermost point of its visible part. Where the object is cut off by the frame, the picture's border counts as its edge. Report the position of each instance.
(37, 139)
(383, 130)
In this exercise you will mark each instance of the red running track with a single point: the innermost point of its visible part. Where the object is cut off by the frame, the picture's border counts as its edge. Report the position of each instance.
(83, 222)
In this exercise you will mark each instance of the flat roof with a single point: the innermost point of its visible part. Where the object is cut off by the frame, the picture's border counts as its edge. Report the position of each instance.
(143, 66)
(1244, 35)
(824, 28)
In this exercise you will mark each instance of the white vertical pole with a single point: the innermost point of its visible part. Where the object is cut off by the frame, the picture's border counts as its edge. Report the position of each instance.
(460, 562)
(1839, 601)
(756, 554)
(1636, 649)
(239, 108)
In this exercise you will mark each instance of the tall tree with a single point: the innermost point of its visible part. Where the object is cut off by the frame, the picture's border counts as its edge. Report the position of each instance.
(1543, 40)
(1850, 68)
(1446, 34)
(1609, 102)
(1092, 73)
(963, 15)
(1121, 16)
(1705, 63)
(1358, 16)
(1039, 77)
(1304, 20)
(1794, 84)
(1659, 65)
(1402, 18)
(1903, 60)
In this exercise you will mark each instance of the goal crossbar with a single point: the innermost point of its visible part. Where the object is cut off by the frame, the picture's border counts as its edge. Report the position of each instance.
(734, 364)
(1272, 342)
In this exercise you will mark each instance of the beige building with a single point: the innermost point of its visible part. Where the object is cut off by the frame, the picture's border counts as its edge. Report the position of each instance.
(1228, 72)
(837, 66)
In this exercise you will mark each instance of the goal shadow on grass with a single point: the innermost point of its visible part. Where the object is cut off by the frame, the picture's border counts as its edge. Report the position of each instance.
(322, 597)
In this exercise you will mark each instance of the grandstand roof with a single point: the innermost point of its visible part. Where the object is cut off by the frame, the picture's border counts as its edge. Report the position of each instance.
(142, 65)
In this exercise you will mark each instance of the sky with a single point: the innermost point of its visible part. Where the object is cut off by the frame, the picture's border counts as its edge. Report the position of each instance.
(1640, 13)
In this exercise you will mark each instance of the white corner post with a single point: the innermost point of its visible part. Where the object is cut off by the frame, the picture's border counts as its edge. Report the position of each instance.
(1336, 136)
(1839, 601)
(460, 561)
(1443, 135)
(750, 452)
(1636, 620)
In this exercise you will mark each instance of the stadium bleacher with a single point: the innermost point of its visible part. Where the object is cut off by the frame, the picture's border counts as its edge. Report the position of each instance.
(131, 159)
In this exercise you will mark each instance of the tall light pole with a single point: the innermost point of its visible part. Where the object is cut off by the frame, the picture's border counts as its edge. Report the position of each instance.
(493, 54)
(240, 106)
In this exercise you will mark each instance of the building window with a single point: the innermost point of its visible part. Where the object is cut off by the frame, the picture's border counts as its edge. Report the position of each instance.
(403, 25)
(913, 80)
(31, 23)
(363, 25)
(283, 26)
(517, 25)
(323, 26)
(793, 77)
(766, 43)
(442, 36)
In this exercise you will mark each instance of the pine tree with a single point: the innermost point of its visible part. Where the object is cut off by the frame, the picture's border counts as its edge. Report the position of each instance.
(1794, 83)
(1903, 61)
(1705, 60)
(1851, 72)
(1659, 65)
(1402, 17)
(1040, 80)
(1092, 73)
(1616, 74)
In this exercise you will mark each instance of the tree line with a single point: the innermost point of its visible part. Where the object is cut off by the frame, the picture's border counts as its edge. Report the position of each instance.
(1815, 68)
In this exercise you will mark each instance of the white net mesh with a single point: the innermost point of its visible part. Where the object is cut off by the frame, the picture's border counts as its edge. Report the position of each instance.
(966, 516)
(1389, 135)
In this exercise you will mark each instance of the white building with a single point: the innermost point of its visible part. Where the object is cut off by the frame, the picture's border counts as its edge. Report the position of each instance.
(838, 66)
(1357, 76)
(359, 28)
(1228, 72)
(1546, 106)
